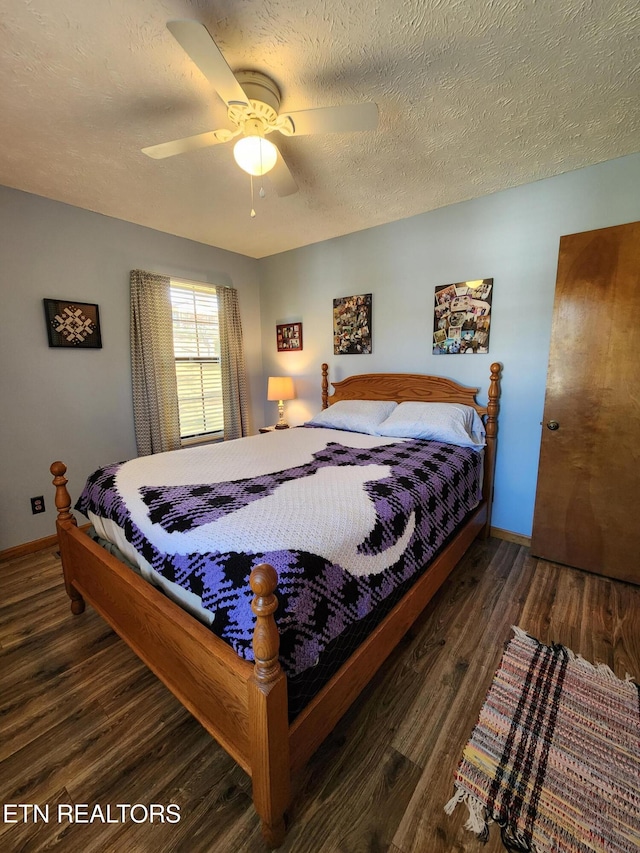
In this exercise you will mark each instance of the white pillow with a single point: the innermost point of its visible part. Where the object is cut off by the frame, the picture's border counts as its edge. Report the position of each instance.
(355, 415)
(453, 423)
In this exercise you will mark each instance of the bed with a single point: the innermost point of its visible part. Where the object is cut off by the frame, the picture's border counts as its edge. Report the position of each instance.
(240, 694)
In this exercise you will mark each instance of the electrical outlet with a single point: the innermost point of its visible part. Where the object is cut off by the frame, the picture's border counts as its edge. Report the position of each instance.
(37, 504)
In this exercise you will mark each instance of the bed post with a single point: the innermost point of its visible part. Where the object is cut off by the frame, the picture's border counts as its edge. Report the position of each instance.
(64, 521)
(325, 386)
(492, 437)
(268, 712)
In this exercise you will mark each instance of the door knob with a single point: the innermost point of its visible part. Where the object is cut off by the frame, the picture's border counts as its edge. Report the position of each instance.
(552, 425)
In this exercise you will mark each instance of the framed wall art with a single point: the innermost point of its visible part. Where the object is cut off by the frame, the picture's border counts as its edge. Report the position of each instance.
(72, 324)
(462, 317)
(352, 325)
(289, 337)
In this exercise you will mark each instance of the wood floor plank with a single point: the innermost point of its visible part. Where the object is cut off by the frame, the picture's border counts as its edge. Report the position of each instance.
(563, 621)
(39, 561)
(51, 652)
(42, 703)
(20, 583)
(160, 773)
(87, 748)
(594, 616)
(83, 721)
(625, 607)
(378, 794)
(447, 686)
(34, 773)
(424, 825)
(595, 643)
(26, 617)
(39, 835)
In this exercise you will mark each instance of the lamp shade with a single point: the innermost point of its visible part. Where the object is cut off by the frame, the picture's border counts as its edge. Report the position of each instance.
(255, 155)
(280, 388)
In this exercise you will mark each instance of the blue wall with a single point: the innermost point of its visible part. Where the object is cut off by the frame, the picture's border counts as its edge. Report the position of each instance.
(512, 237)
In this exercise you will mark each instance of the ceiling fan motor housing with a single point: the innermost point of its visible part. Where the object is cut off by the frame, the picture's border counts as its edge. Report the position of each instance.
(263, 94)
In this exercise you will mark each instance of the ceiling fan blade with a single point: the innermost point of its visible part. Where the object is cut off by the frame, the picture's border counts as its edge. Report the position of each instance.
(334, 119)
(189, 143)
(281, 178)
(198, 43)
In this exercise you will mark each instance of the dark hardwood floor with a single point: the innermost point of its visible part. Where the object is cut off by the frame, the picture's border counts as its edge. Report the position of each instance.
(83, 721)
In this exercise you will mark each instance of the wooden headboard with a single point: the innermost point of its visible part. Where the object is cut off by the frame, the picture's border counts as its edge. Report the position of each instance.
(402, 387)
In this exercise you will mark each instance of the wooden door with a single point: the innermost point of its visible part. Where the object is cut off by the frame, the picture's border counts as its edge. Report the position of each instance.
(587, 511)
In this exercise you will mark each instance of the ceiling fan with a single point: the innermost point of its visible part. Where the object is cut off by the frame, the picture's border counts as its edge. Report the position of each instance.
(253, 104)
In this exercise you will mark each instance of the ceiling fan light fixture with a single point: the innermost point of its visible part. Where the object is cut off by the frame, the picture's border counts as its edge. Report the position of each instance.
(255, 154)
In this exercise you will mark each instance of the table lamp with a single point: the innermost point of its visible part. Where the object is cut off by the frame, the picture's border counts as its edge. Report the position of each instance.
(281, 388)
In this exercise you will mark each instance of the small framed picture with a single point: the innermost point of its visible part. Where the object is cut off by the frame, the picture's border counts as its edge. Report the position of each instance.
(289, 337)
(72, 324)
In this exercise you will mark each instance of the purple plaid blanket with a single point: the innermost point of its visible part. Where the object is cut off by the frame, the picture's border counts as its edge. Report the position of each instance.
(413, 493)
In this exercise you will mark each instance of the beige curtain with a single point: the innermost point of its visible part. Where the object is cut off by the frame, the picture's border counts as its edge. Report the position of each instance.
(234, 375)
(155, 395)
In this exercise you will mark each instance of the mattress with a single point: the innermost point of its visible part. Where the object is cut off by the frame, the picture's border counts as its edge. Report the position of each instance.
(347, 520)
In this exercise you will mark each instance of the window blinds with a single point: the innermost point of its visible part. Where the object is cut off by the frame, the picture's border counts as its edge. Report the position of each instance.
(196, 344)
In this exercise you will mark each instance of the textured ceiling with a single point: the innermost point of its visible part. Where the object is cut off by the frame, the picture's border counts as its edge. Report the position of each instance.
(474, 96)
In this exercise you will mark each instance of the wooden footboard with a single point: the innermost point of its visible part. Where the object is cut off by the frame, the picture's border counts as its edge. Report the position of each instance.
(242, 705)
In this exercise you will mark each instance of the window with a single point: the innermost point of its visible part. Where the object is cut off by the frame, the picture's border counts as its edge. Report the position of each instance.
(196, 345)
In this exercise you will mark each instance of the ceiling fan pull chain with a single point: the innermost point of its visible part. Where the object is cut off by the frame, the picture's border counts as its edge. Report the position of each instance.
(253, 213)
(261, 193)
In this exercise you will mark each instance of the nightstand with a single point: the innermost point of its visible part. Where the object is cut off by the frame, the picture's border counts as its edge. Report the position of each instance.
(268, 429)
